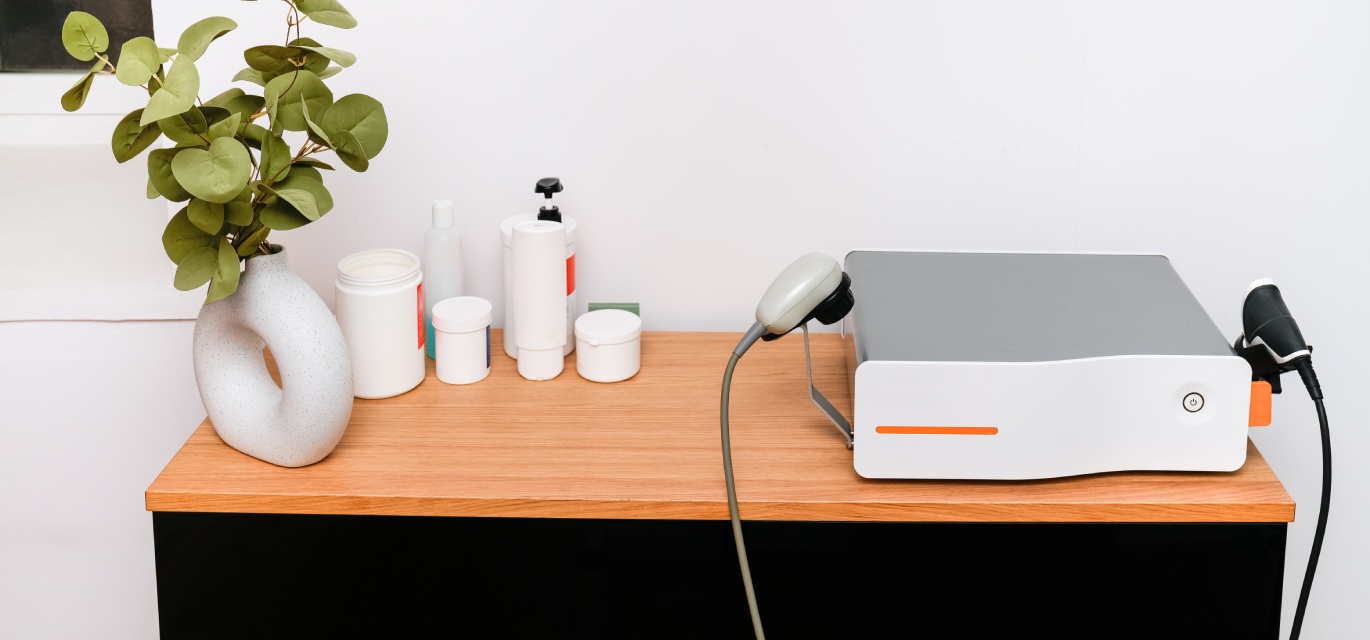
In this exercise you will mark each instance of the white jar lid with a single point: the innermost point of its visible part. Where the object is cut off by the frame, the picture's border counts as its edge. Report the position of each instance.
(465, 313)
(506, 228)
(608, 326)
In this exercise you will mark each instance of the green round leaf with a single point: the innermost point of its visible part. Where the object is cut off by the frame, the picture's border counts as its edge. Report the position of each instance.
(216, 174)
(329, 72)
(130, 139)
(160, 174)
(302, 201)
(215, 114)
(151, 192)
(181, 237)
(251, 75)
(227, 127)
(363, 117)
(238, 213)
(177, 94)
(225, 279)
(312, 61)
(299, 180)
(196, 268)
(138, 60)
(275, 159)
(339, 56)
(288, 91)
(224, 98)
(249, 244)
(314, 163)
(254, 134)
(185, 128)
(196, 38)
(270, 57)
(246, 105)
(305, 171)
(350, 151)
(76, 95)
(283, 217)
(206, 216)
(167, 54)
(316, 132)
(84, 36)
(329, 12)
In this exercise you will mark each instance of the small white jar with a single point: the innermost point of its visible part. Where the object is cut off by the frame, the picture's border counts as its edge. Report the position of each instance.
(461, 328)
(379, 298)
(608, 345)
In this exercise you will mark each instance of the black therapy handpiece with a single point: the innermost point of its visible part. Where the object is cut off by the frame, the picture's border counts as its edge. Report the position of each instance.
(1272, 343)
(1271, 340)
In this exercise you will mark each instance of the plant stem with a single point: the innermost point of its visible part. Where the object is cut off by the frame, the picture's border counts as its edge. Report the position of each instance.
(105, 60)
(288, 24)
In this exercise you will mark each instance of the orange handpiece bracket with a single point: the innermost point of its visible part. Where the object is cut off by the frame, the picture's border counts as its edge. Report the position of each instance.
(1260, 404)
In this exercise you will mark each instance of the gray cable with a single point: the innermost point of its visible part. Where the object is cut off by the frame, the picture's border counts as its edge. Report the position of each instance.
(747, 340)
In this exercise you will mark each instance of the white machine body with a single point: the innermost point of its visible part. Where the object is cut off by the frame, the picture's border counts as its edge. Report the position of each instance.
(1025, 366)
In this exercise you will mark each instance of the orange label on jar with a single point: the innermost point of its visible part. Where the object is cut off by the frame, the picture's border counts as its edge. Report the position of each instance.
(571, 274)
(423, 332)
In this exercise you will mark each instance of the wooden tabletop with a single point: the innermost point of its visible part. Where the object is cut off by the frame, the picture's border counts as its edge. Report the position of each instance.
(649, 448)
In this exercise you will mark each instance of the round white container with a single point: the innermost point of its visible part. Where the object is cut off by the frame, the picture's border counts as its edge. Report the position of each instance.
(461, 327)
(608, 345)
(506, 231)
(379, 298)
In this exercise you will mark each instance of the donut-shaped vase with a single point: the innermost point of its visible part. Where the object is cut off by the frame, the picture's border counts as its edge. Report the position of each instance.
(301, 421)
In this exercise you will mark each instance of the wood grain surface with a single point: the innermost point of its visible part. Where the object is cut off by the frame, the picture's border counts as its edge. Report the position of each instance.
(649, 448)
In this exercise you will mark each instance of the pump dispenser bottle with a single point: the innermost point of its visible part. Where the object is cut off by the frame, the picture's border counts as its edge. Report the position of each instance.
(549, 212)
(442, 273)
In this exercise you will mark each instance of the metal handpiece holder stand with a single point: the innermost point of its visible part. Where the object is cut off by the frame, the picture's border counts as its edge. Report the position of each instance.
(838, 420)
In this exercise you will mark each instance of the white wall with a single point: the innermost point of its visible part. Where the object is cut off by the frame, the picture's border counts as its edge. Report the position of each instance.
(91, 412)
(96, 387)
(706, 144)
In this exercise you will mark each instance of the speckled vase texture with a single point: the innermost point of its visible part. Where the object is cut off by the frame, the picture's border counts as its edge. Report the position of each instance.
(301, 421)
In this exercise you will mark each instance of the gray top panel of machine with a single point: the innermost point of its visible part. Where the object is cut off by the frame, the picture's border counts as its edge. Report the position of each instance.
(1017, 307)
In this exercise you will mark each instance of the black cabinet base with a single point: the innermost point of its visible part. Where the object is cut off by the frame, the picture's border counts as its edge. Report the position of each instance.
(288, 576)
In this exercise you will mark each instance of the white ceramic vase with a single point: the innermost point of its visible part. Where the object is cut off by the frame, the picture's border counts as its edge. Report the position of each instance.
(301, 421)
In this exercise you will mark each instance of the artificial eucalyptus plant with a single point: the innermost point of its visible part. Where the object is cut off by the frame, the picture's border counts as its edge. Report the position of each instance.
(231, 163)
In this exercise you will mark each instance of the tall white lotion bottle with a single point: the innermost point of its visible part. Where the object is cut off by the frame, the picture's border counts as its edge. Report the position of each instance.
(539, 274)
(547, 187)
(442, 272)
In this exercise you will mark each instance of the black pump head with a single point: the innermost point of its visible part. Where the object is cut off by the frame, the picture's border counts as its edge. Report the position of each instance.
(547, 187)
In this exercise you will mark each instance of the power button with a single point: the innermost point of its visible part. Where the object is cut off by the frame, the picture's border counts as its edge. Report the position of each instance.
(1193, 402)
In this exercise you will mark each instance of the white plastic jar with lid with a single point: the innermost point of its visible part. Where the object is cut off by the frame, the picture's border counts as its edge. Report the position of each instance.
(379, 298)
(608, 345)
(461, 328)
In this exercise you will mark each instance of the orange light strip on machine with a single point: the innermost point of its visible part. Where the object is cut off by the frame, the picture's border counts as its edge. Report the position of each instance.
(940, 431)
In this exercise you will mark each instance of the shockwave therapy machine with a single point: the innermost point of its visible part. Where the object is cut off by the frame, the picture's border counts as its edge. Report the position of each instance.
(1019, 366)
(1002, 366)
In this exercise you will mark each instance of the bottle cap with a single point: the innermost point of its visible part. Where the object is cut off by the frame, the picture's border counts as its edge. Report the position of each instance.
(443, 216)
